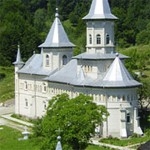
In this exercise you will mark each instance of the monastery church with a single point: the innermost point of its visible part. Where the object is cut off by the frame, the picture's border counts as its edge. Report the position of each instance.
(99, 72)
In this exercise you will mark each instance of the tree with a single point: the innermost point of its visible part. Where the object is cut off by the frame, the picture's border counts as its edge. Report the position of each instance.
(144, 96)
(143, 37)
(77, 118)
(16, 27)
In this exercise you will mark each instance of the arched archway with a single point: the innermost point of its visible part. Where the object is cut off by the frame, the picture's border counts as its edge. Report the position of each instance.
(64, 59)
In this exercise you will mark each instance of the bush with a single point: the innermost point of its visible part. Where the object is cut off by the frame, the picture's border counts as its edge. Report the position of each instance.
(135, 135)
(2, 76)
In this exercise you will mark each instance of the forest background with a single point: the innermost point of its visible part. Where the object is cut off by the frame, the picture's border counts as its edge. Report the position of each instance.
(27, 22)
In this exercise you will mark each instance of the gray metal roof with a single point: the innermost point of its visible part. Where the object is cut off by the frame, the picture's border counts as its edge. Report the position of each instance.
(35, 66)
(57, 36)
(58, 146)
(70, 74)
(99, 56)
(18, 58)
(100, 10)
(116, 77)
(66, 74)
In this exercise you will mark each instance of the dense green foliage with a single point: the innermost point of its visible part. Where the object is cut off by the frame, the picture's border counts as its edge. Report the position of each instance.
(27, 22)
(139, 66)
(76, 118)
(6, 83)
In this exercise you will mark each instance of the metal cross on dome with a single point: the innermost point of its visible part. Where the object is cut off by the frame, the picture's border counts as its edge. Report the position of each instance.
(59, 131)
(58, 146)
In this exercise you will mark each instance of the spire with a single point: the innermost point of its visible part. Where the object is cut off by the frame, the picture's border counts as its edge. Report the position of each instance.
(118, 75)
(57, 36)
(18, 58)
(100, 10)
(58, 146)
(56, 14)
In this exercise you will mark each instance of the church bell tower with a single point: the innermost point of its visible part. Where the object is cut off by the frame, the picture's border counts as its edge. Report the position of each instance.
(100, 28)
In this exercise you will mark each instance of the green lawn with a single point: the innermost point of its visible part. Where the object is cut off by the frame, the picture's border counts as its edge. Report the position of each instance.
(9, 141)
(126, 142)
(6, 83)
(93, 147)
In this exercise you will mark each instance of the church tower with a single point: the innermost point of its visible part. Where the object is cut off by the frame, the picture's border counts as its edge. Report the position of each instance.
(100, 28)
(18, 65)
(57, 50)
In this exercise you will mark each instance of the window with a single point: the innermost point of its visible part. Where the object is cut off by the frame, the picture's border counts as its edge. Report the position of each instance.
(47, 60)
(123, 98)
(98, 39)
(26, 102)
(44, 104)
(128, 119)
(87, 68)
(64, 60)
(107, 39)
(90, 39)
(26, 85)
(44, 87)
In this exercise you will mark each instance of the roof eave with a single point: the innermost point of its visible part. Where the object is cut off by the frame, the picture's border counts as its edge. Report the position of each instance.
(110, 17)
(58, 46)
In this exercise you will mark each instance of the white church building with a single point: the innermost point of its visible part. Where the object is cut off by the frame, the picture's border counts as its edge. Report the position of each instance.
(99, 72)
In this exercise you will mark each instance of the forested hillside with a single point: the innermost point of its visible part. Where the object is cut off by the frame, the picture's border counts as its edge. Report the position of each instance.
(27, 22)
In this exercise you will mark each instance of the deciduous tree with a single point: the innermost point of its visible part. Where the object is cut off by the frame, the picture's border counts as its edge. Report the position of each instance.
(77, 118)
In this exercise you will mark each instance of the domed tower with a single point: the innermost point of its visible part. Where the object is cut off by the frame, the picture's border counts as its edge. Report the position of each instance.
(121, 101)
(57, 50)
(100, 28)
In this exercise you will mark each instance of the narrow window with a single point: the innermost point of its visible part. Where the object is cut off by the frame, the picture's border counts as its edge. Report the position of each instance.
(47, 60)
(26, 85)
(107, 39)
(44, 103)
(64, 60)
(44, 87)
(26, 102)
(123, 98)
(128, 118)
(90, 39)
(98, 39)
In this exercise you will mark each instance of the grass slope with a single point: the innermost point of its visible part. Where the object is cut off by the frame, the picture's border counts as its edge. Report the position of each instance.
(6, 83)
(9, 141)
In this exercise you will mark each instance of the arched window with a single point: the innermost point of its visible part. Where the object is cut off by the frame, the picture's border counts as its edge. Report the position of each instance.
(98, 39)
(90, 39)
(44, 87)
(64, 60)
(47, 60)
(107, 39)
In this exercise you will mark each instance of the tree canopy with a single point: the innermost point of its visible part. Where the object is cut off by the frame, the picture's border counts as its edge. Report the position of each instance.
(76, 118)
(28, 21)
